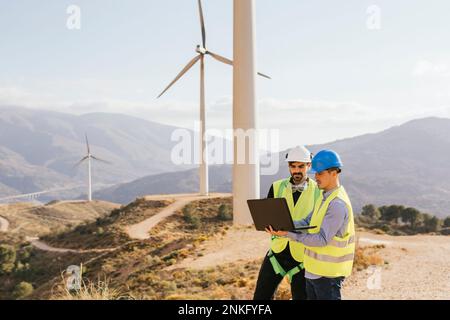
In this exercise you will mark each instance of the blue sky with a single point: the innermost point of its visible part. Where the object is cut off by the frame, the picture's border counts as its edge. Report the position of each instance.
(333, 77)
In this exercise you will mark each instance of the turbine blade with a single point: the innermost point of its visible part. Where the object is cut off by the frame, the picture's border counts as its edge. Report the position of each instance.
(87, 144)
(185, 69)
(79, 162)
(220, 58)
(202, 23)
(228, 61)
(263, 75)
(101, 160)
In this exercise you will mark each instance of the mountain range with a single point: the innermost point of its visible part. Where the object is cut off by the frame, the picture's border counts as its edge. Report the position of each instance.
(406, 165)
(38, 149)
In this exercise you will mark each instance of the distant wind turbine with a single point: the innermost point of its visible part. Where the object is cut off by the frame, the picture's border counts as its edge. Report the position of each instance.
(202, 51)
(88, 157)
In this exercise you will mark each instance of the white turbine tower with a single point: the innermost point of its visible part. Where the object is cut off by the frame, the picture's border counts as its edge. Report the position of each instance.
(245, 175)
(202, 51)
(88, 157)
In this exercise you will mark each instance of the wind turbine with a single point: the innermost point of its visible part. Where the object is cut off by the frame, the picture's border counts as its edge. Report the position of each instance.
(202, 52)
(88, 157)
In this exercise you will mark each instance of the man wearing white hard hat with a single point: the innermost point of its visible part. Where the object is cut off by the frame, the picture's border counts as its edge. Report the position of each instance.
(285, 257)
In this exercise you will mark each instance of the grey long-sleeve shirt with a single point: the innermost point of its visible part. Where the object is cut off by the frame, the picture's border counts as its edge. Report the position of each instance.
(334, 223)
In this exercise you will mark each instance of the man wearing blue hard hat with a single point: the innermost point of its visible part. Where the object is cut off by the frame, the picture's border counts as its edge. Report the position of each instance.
(330, 247)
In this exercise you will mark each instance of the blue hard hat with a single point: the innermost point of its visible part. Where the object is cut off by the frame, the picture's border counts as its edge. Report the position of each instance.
(324, 160)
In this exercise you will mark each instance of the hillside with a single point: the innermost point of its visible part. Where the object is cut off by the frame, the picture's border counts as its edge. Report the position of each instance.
(130, 257)
(197, 254)
(27, 219)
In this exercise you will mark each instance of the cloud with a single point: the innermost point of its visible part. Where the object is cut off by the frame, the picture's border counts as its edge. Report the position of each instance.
(168, 111)
(299, 121)
(428, 68)
(17, 96)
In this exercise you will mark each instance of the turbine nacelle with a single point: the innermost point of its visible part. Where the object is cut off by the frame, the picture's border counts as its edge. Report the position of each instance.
(201, 50)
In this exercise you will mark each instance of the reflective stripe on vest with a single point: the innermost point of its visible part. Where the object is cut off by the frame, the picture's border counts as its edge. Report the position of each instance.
(324, 257)
(301, 209)
(336, 258)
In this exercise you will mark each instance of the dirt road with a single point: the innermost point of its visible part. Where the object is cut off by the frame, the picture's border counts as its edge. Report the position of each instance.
(418, 268)
(4, 224)
(140, 230)
(45, 247)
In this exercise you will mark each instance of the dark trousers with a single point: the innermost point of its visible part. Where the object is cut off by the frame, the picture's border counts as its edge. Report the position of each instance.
(324, 288)
(268, 280)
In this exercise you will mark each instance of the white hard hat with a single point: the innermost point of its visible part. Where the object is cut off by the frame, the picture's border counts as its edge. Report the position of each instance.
(298, 154)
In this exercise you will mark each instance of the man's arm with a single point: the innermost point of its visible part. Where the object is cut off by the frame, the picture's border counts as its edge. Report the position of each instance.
(304, 222)
(336, 218)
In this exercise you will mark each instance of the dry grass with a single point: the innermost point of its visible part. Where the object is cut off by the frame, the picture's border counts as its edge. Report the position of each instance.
(227, 281)
(366, 256)
(89, 290)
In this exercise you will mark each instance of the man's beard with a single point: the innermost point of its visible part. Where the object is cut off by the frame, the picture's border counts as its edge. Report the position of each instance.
(298, 178)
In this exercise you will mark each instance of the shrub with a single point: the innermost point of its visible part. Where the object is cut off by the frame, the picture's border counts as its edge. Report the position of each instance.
(153, 260)
(391, 213)
(371, 211)
(100, 231)
(224, 213)
(193, 220)
(446, 222)
(413, 220)
(7, 258)
(22, 290)
(411, 215)
(168, 286)
(367, 256)
(432, 224)
(187, 212)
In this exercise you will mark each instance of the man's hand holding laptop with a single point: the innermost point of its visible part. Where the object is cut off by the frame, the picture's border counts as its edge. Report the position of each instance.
(276, 233)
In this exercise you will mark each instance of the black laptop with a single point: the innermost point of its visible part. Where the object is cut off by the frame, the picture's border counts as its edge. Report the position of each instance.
(274, 212)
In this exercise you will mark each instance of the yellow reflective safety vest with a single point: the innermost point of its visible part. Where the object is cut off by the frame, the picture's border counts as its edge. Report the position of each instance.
(336, 258)
(301, 209)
